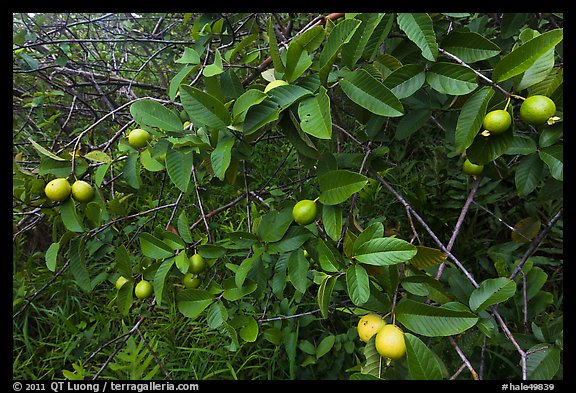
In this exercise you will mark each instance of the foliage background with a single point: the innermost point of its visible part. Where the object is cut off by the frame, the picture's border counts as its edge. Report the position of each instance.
(79, 83)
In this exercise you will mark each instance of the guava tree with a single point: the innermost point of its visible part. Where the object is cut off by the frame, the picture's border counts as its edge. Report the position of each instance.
(367, 117)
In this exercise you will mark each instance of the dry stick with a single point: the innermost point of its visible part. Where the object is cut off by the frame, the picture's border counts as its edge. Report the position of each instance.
(48, 283)
(247, 193)
(459, 222)
(426, 227)
(197, 193)
(446, 250)
(154, 354)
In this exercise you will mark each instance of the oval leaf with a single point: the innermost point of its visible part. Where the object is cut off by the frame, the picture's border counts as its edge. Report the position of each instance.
(453, 79)
(339, 185)
(315, 116)
(491, 291)
(153, 247)
(420, 30)
(358, 284)
(385, 251)
(422, 362)
(151, 113)
(191, 302)
(431, 321)
(371, 94)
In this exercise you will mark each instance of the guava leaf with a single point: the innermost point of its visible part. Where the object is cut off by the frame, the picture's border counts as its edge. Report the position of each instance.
(433, 321)
(221, 156)
(542, 364)
(528, 174)
(160, 278)
(123, 262)
(385, 251)
(491, 291)
(427, 257)
(151, 113)
(315, 115)
(419, 29)
(274, 50)
(469, 46)
(553, 156)
(471, 117)
(78, 268)
(131, 170)
(153, 247)
(338, 185)
(332, 221)
(368, 92)
(358, 284)
(522, 58)
(51, 256)
(339, 35)
(192, 302)
(69, 216)
(179, 167)
(298, 267)
(422, 363)
(406, 80)
(452, 79)
(325, 294)
(204, 108)
(353, 49)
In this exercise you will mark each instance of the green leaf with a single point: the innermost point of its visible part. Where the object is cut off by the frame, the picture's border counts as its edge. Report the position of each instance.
(315, 115)
(470, 47)
(123, 262)
(553, 156)
(338, 185)
(412, 122)
(325, 294)
(450, 78)
(248, 327)
(298, 267)
(526, 229)
(245, 267)
(78, 268)
(44, 152)
(131, 170)
(97, 156)
(69, 216)
(528, 174)
(406, 80)
(160, 278)
(51, 256)
(153, 114)
(325, 345)
(274, 225)
(375, 364)
(368, 92)
(184, 228)
(353, 49)
(491, 291)
(149, 163)
(432, 321)
(274, 50)
(522, 58)
(222, 154)
(216, 315)
(297, 55)
(537, 72)
(542, 363)
(153, 247)
(522, 144)
(99, 174)
(125, 297)
(373, 231)
(249, 98)
(177, 80)
(419, 29)
(339, 35)
(190, 56)
(326, 258)
(358, 284)
(486, 149)
(385, 251)
(233, 292)
(422, 362)
(204, 108)
(179, 166)
(332, 221)
(427, 257)
(192, 302)
(216, 68)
